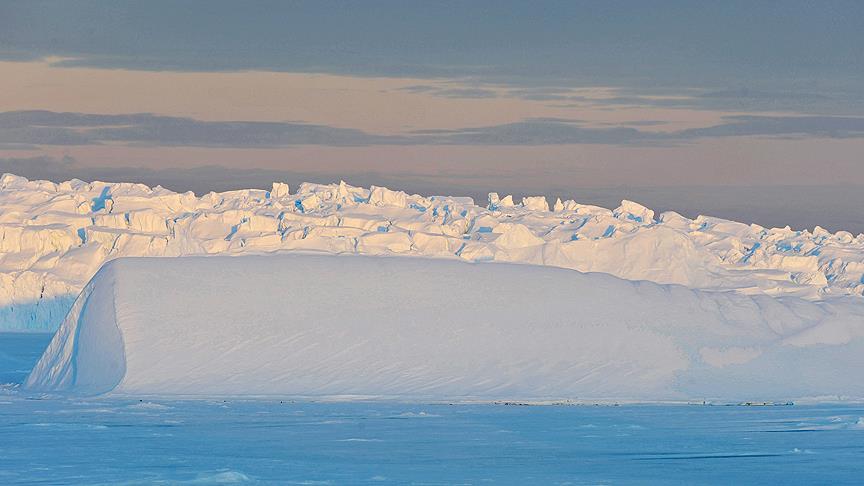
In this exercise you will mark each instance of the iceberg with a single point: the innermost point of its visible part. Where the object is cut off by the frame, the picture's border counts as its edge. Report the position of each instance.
(319, 325)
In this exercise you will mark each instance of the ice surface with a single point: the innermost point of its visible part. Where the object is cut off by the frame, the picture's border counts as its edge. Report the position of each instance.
(118, 440)
(272, 442)
(54, 237)
(325, 325)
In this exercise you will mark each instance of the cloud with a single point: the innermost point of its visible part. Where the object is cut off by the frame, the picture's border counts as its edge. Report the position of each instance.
(553, 131)
(23, 128)
(801, 126)
(446, 92)
(537, 132)
(466, 93)
(50, 128)
(770, 47)
(839, 101)
(541, 93)
(420, 88)
(645, 123)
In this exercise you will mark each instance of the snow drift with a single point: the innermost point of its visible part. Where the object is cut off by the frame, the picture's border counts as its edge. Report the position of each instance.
(54, 237)
(322, 325)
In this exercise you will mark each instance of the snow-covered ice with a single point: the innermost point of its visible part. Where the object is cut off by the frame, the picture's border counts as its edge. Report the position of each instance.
(328, 325)
(54, 237)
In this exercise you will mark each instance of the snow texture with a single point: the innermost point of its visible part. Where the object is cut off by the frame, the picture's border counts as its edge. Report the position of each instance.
(54, 237)
(326, 325)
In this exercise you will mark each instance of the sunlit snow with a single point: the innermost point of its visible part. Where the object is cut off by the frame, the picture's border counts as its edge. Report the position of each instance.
(54, 237)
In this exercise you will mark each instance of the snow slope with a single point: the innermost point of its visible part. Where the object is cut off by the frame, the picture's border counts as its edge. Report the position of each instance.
(313, 325)
(54, 237)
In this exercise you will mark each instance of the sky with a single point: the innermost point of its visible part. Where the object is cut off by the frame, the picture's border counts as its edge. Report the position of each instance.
(740, 109)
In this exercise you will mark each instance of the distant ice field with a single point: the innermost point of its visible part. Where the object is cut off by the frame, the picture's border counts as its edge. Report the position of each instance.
(51, 440)
(54, 237)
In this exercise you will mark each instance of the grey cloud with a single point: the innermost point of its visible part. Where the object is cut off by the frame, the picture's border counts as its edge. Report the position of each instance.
(539, 132)
(466, 93)
(644, 123)
(541, 93)
(836, 101)
(773, 48)
(557, 131)
(839, 102)
(48, 128)
(630, 100)
(563, 131)
(747, 93)
(544, 97)
(555, 119)
(622, 96)
(451, 92)
(803, 126)
(610, 40)
(419, 88)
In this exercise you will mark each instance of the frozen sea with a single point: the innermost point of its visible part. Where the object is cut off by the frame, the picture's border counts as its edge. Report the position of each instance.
(47, 440)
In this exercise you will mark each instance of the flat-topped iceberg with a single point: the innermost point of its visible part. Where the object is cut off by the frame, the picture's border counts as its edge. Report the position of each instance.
(324, 325)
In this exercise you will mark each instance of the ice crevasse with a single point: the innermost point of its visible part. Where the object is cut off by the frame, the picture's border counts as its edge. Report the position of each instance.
(315, 325)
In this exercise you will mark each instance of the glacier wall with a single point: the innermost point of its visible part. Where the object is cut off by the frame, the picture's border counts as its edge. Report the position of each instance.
(54, 237)
(326, 325)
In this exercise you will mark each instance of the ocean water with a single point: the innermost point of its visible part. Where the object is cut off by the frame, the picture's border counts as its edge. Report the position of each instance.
(53, 440)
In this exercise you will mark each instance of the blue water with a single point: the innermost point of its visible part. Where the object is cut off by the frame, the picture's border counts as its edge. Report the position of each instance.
(111, 441)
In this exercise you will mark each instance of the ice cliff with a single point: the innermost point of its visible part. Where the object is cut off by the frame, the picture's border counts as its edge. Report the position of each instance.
(325, 325)
(54, 237)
